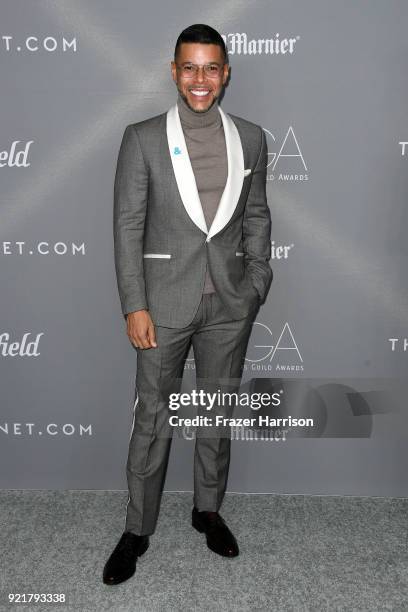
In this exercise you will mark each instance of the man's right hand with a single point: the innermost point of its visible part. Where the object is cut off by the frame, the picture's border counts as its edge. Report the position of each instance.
(140, 329)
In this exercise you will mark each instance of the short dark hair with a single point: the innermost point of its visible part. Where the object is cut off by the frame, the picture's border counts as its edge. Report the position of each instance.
(204, 34)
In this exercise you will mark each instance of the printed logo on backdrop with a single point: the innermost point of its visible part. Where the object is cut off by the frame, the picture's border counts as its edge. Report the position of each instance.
(404, 147)
(265, 354)
(35, 44)
(398, 345)
(286, 161)
(20, 247)
(16, 156)
(280, 251)
(239, 43)
(24, 430)
(26, 347)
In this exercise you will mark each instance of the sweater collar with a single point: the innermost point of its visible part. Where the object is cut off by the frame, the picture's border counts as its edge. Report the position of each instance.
(191, 119)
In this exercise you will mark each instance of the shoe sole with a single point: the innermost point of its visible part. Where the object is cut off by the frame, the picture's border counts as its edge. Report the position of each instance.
(125, 577)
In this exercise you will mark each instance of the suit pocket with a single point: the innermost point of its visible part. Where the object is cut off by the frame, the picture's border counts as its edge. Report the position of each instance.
(157, 270)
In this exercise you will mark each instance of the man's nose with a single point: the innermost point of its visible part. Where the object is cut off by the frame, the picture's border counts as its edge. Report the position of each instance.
(200, 73)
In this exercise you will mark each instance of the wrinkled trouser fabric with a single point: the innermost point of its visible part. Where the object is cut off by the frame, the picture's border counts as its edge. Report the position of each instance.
(219, 346)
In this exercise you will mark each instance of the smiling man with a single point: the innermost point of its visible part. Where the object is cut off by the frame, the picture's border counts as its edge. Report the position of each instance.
(192, 249)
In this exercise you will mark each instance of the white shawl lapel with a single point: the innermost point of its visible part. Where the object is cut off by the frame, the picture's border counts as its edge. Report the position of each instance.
(184, 174)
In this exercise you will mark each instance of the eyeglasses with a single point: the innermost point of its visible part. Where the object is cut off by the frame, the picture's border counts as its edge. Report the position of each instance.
(210, 70)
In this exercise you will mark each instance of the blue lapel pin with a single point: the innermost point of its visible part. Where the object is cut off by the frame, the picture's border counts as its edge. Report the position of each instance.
(177, 151)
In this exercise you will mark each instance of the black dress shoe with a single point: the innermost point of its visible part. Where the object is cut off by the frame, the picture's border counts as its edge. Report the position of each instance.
(121, 565)
(219, 538)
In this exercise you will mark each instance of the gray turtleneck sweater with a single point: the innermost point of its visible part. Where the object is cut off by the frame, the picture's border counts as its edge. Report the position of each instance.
(205, 140)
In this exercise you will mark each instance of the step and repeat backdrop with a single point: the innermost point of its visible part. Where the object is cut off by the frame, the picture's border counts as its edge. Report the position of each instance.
(327, 81)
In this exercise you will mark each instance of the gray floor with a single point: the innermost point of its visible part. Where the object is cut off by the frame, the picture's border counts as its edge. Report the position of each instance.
(297, 553)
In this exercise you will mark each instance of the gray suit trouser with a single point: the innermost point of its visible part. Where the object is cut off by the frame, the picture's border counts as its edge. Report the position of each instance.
(219, 346)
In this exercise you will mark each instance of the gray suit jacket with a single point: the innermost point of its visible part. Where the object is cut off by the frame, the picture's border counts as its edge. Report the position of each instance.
(161, 240)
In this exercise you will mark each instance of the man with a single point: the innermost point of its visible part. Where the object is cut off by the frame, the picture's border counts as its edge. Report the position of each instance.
(192, 246)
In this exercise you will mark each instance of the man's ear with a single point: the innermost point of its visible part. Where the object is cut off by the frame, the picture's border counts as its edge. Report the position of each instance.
(226, 75)
(173, 71)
